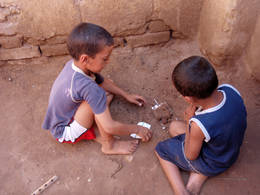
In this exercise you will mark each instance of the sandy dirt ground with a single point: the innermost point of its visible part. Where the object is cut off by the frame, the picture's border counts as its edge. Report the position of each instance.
(29, 156)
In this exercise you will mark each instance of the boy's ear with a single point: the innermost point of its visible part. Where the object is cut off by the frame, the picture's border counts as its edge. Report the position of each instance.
(189, 99)
(84, 58)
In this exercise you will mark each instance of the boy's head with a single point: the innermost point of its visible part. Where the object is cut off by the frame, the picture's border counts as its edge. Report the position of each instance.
(89, 39)
(195, 77)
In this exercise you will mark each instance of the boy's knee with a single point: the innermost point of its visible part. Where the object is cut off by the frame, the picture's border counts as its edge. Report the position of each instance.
(173, 125)
(84, 115)
(172, 129)
(176, 128)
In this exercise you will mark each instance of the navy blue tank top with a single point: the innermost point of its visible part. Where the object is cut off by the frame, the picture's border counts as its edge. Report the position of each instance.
(223, 127)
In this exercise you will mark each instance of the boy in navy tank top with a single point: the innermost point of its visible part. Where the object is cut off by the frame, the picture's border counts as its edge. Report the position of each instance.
(208, 143)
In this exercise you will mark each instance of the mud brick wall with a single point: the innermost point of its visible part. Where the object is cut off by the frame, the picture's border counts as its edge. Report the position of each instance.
(226, 30)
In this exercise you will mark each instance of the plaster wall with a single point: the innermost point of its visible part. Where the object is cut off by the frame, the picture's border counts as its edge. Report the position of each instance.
(224, 29)
(252, 53)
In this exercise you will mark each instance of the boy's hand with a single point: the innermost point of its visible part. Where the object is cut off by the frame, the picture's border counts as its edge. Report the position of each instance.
(189, 112)
(136, 99)
(144, 133)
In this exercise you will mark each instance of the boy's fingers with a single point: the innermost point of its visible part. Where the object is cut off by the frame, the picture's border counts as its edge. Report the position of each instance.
(147, 137)
(140, 102)
(140, 99)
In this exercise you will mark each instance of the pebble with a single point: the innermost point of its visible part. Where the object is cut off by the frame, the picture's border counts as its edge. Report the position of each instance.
(129, 158)
(78, 178)
(89, 180)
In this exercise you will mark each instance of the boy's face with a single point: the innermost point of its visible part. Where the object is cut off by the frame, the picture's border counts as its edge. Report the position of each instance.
(97, 63)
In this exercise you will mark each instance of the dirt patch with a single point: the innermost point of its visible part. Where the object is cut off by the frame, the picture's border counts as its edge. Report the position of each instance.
(30, 156)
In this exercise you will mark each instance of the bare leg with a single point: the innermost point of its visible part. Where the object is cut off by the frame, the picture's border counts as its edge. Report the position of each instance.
(172, 171)
(110, 97)
(177, 128)
(174, 176)
(85, 117)
(110, 145)
(195, 183)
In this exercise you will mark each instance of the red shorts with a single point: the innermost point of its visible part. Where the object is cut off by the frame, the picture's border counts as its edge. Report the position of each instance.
(87, 135)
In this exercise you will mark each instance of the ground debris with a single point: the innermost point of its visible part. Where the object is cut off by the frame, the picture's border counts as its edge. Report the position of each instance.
(45, 185)
(162, 112)
(119, 167)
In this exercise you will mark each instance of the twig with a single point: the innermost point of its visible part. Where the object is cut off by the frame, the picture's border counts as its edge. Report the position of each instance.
(119, 167)
(45, 185)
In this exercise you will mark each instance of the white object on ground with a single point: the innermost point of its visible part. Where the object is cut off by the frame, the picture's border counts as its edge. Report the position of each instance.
(45, 185)
(143, 124)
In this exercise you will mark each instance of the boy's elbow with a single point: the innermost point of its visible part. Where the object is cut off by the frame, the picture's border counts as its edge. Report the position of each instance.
(191, 156)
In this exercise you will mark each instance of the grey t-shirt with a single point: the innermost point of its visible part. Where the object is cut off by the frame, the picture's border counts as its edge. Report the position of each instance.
(71, 87)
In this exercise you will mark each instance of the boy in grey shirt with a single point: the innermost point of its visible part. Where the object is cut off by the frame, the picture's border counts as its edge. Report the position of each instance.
(80, 96)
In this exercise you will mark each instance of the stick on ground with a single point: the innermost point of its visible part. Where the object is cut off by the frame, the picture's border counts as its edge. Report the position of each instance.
(45, 185)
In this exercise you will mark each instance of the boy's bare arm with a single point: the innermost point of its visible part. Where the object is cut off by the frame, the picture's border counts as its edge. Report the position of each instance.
(116, 128)
(189, 112)
(110, 86)
(193, 141)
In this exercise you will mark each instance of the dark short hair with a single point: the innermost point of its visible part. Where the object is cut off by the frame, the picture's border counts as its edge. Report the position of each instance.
(195, 77)
(87, 38)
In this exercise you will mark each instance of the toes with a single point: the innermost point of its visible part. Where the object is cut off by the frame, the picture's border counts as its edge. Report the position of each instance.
(134, 143)
(133, 148)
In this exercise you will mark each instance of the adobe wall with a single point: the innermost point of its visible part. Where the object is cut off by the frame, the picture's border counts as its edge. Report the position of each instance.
(228, 31)
(225, 29)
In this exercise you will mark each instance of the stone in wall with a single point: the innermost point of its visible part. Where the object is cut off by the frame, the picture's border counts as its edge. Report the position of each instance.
(57, 40)
(51, 41)
(9, 42)
(19, 53)
(120, 18)
(225, 28)
(54, 50)
(253, 51)
(157, 26)
(180, 15)
(35, 41)
(8, 29)
(148, 39)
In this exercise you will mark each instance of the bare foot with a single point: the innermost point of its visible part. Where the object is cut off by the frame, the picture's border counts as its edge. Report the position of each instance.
(119, 147)
(195, 183)
(110, 97)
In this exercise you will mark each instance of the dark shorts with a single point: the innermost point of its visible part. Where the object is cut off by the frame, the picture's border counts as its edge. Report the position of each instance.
(173, 150)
